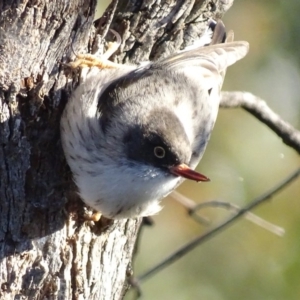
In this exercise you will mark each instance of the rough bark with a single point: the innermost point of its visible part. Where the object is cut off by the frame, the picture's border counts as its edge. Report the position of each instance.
(47, 248)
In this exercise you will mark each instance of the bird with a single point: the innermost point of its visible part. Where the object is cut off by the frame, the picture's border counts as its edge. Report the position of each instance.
(132, 133)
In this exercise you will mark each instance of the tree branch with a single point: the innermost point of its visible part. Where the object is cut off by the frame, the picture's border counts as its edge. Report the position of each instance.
(259, 109)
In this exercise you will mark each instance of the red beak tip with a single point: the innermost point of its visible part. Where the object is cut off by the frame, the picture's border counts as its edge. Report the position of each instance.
(205, 180)
(184, 171)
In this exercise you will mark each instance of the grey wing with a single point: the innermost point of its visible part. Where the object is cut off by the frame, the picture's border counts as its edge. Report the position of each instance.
(211, 59)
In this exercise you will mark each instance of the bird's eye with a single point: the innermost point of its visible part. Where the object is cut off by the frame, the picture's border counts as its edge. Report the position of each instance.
(159, 152)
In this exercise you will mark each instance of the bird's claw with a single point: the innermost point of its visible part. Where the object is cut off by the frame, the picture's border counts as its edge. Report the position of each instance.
(90, 60)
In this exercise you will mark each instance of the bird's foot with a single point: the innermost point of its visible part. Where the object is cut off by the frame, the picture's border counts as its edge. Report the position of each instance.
(95, 217)
(90, 60)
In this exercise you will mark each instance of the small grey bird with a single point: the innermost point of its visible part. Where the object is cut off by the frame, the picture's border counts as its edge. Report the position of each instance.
(131, 134)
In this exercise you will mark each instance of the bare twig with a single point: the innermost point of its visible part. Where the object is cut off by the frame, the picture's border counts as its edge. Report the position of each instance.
(202, 238)
(259, 108)
(103, 23)
(193, 207)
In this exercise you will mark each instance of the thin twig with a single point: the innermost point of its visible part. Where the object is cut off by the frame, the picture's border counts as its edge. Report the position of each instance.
(190, 206)
(259, 108)
(193, 207)
(201, 239)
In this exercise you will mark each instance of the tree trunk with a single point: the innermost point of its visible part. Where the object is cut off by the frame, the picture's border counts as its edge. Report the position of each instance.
(47, 248)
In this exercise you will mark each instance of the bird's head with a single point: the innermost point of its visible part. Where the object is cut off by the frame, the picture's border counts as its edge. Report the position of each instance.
(159, 140)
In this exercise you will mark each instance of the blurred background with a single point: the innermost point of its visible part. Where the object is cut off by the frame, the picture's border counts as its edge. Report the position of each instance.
(243, 159)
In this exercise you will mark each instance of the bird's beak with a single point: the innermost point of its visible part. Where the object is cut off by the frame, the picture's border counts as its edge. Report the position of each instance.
(184, 171)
